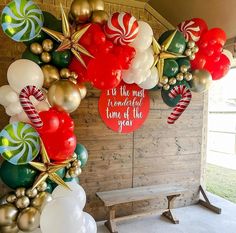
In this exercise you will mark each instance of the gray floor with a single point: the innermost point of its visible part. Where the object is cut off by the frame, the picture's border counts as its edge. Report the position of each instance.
(193, 219)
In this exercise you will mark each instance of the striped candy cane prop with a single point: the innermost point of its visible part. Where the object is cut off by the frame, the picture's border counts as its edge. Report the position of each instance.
(186, 97)
(28, 106)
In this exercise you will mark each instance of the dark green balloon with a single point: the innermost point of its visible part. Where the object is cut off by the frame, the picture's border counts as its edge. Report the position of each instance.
(61, 173)
(82, 154)
(15, 176)
(33, 57)
(61, 59)
(165, 94)
(184, 61)
(68, 179)
(39, 38)
(51, 22)
(49, 188)
(171, 68)
(177, 45)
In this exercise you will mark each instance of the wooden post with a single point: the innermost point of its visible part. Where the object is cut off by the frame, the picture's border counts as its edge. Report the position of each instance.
(111, 224)
(168, 214)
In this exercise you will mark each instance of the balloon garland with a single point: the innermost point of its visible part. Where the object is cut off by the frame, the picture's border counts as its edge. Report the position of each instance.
(41, 157)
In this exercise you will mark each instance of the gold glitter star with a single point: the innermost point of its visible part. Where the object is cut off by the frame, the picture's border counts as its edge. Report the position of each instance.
(69, 39)
(161, 53)
(48, 169)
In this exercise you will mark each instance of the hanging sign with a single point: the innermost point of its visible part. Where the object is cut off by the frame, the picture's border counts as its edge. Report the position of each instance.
(124, 108)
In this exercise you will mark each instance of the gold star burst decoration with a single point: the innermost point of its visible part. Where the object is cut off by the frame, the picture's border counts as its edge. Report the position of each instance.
(69, 38)
(161, 53)
(48, 170)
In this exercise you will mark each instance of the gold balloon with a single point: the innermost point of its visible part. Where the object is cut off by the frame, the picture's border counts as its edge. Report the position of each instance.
(8, 214)
(20, 192)
(74, 172)
(64, 95)
(40, 200)
(172, 81)
(11, 198)
(100, 17)
(65, 73)
(201, 80)
(51, 74)
(31, 193)
(28, 219)
(97, 5)
(36, 48)
(9, 229)
(42, 187)
(82, 90)
(80, 10)
(47, 45)
(46, 57)
(22, 202)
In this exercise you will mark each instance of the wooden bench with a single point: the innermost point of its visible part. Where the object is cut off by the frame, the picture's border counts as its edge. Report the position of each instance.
(117, 197)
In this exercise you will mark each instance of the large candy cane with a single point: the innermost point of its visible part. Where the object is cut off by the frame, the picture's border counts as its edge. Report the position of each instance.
(28, 106)
(186, 97)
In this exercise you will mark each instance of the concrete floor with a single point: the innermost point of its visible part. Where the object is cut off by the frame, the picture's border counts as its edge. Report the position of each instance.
(193, 219)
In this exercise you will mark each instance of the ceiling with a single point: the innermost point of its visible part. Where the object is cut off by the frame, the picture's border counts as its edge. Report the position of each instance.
(217, 13)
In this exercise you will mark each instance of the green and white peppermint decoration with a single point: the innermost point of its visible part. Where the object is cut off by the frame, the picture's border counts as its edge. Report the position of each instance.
(22, 20)
(19, 143)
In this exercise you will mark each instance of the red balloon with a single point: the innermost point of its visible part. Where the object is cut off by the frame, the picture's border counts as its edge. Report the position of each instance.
(199, 62)
(66, 122)
(104, 71)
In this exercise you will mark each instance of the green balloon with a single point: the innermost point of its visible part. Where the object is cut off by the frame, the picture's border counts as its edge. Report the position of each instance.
(82, 154)
(68, 179)
(184, 61)
(61, 59)
(33, 57)
(39, 38)
(171, 68)
(177, 45)
(165, 94)
(49, 188)
(51, 22)
(15, 176)
(61, 173)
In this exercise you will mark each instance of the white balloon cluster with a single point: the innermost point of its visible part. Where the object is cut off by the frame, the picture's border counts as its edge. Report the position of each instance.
(65, 212)
(141, 71)
(21, 73)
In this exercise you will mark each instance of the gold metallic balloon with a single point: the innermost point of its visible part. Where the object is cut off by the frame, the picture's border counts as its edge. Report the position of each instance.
(46, 57)
(97, 5)
(166, 87)
(40, 200)
(74, 172)
(172, 81)
(51, 74)
(188, 76)
(20, 192)
(11, 198)
(28, 219)
(47, 45)
(42, 186)
(80, 11)
(201, 80)
(64, 95)
(82, 90)
(22, 202)
(8, 214)
(31, 193)
(9, 229)
(36, 48)
(65, 73)
(76, 163)
(100, 17)
(180, 76)
(164, 80)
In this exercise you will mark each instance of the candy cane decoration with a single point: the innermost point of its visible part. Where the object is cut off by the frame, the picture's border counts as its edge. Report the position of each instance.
(28, 106)
(186, 97)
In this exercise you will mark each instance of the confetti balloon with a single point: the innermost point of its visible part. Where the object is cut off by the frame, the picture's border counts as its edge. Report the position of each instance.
(22, 20)
(19, 143)
(121, 28)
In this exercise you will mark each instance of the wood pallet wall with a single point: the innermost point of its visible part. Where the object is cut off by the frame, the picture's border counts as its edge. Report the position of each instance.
(157, 153)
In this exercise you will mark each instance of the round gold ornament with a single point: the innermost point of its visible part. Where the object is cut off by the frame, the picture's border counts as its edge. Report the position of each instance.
(47, 45)
(31, 193)
(36, 48)
(82, 90)
(28, 219)
(183, 68)
(51, 74)
(76, 163)
(65, 73)
(164, 80)
(11, 198)
(80, 10)
(188, 76)
(20, 192)
(74, 172)
(22, 202)
(191, 44)
(195, 49)
(64, 95)
(166, 87)
(8, 214)
(42, 187)
(96, 5)
(188, 52)
(172, 81)
(192, 57)
(100, 17)
(40, 200)
(201, 80)
(180, 76)
(46, 57)
(9, 229)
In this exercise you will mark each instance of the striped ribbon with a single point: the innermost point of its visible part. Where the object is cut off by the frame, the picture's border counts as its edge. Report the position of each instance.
(186, 97)
(29, 107)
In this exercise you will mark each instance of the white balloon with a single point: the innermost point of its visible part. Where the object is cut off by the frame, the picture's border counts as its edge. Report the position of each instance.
(23, 117)
(14, 119)
(76, 191)
(89, 224)
(228, 54)
(151, 81)
(42, 106)
(149, 58)
(24, 72)
(13, 109)
(7, 95)
(61, 215)
(145, 28)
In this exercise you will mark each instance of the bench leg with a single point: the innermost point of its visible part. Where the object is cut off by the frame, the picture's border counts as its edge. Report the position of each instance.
(168, 214)
(110, 224)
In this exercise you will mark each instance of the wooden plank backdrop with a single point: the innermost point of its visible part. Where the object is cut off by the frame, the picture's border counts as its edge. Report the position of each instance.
(157, 153)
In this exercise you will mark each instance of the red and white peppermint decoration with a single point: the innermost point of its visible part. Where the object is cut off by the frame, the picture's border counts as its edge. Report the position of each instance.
(121, 28)
(186, 97)
(29, 107)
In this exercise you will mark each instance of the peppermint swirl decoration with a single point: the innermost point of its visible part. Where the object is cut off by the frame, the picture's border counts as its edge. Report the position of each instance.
(19, 143)
(22, 20)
